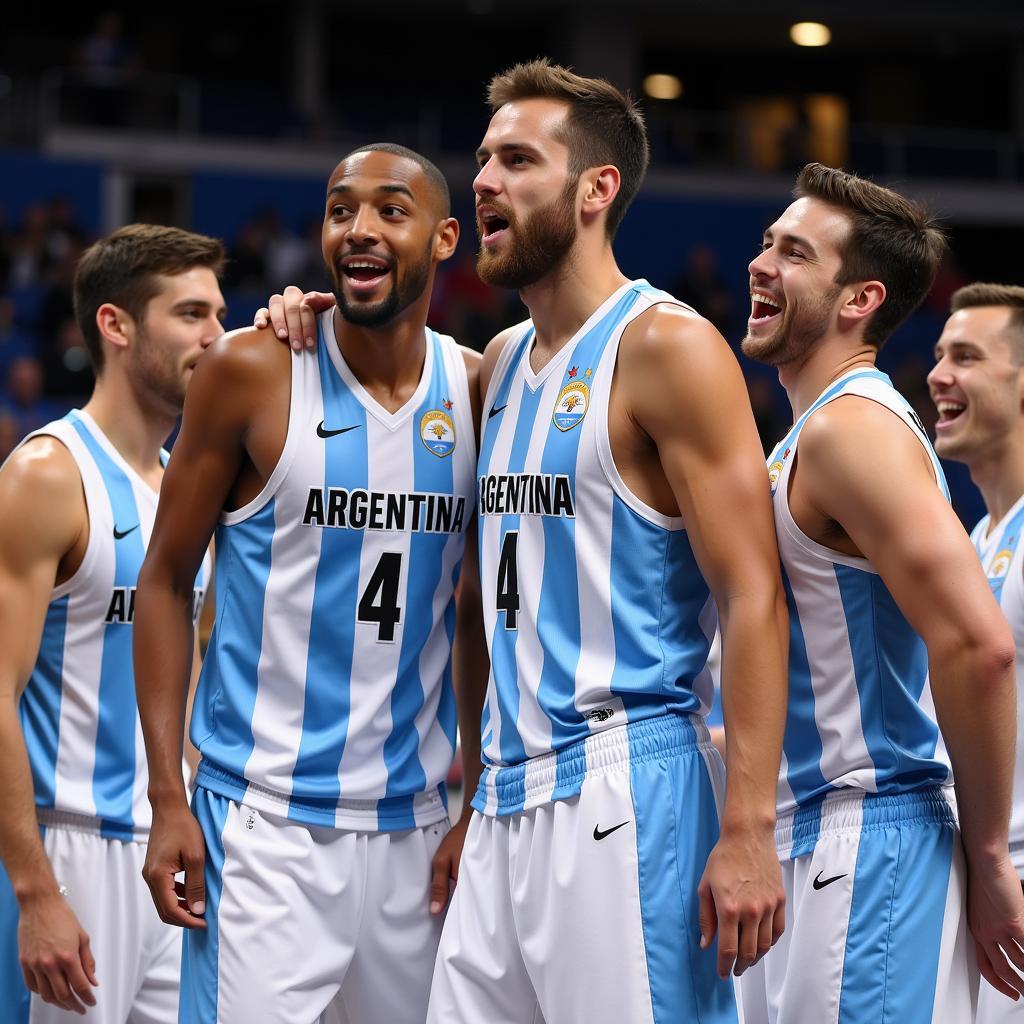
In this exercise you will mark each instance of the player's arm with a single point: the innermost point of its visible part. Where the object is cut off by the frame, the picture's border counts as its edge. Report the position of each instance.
(861, 467)
(683, 388)
(470, 669)
(42, 516)
(207, 458)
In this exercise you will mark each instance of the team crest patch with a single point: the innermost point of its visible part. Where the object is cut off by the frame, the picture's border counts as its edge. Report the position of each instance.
(774, 472)
(437, 432)
(1000, 564)
(571, 407)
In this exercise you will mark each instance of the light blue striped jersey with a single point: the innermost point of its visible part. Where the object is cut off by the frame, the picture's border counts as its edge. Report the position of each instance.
(596, 612)
(857, 670)
(1001, 551)
(326, 691)
(78, 710)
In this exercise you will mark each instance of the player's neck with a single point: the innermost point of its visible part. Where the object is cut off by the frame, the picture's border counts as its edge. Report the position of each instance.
(562, 301)
(388, 362)
(825, 362)
(137, 428)
(999, 475)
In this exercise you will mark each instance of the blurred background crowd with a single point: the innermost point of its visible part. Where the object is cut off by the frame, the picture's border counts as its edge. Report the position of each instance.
(226, 119)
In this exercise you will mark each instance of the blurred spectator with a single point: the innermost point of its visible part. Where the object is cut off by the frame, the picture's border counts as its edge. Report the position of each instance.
(107, 56)
(286, 253)
(25, 397)
(9, 436)
(948, 279)
(14, 341)
(66, 364)
(703, 288)
(465, 307)
(58, 302)
(63, 235)
(246, 267)
(29, 252)
(767, 400)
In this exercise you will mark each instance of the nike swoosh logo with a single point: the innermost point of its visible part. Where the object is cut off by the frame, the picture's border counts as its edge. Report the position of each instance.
(496, 409)
(320, 432)
(820, 883)
(598, 834)
(118, 534)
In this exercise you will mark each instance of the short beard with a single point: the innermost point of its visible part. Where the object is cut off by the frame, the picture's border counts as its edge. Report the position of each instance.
(155, 371)
(539, 244)
(403, 294)
(801, 328)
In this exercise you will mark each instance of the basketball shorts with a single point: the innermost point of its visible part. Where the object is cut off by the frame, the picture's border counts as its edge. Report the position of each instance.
(876, 921)
(138, 957)
(586, 909)
(304, 921)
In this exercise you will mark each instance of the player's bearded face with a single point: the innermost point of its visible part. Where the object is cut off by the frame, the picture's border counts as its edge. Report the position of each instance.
(536, 244)
(804, 322)
(406, 287)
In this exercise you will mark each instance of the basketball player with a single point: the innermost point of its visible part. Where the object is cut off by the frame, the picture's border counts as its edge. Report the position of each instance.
(881, 582)
(603, 512)
(77, 502)
(342, 481)
(978, 388)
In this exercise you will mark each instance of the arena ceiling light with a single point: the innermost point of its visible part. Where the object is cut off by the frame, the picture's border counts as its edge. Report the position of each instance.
(810, 33)
(663, 87)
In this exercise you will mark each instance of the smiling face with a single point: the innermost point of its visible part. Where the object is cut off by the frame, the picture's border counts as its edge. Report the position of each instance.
(793, 291)
(525, 196)
(379, 233)
(976, 383)
(180, 322)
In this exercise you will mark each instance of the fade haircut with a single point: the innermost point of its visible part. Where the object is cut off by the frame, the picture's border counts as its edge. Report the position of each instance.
(602, 126)
(1009, 295)
(430, 170)
(892, 240)
(122, 269)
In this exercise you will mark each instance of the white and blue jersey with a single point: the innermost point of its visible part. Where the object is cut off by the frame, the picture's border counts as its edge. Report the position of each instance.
(857, 669)
(326, 693)
(596, 612)
(78, 710)
(1001, 551)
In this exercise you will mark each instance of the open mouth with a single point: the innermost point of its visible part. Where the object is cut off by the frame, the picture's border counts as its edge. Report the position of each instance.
(364, 273)
(491, 225)
(949, 412)
(763, 308)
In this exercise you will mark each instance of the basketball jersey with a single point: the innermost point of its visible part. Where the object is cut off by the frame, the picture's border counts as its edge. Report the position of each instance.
(857, 669)
(78, 711)
(1002, 556)
(595, 610)
(326, 692)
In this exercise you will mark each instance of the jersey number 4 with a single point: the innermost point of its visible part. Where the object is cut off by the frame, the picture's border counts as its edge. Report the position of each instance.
(379, 601)
(507, 597)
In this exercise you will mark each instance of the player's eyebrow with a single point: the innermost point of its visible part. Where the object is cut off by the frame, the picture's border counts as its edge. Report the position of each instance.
(799, 240)
(343, 189)
(507, 147)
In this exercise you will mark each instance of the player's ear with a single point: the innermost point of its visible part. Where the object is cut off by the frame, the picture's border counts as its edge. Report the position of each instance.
(598, 188)
(865, 300)
(446, 239)
(115, 325)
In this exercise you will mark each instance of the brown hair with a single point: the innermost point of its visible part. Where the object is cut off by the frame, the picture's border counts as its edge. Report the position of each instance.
(122, 268)
(983, 294)
(892, 240)
(603, 125)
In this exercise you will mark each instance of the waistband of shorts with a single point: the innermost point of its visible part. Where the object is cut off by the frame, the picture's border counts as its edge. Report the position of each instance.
(559, 774)
(850, 811)
(48, 817)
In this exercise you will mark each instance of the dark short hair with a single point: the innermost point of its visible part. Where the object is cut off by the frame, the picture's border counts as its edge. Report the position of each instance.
(603, 126)
(429, 168)
(122, 269)
(892, 239)
(1011, 296)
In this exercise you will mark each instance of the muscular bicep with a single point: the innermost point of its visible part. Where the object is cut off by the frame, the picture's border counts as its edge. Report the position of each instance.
(689, 397)
(865, 469)
(42, 515)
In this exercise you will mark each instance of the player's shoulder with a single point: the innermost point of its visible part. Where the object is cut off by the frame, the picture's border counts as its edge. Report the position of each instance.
(494, 349)
(41, 491)
(249, 351)
(853, 420)
(669, 332)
